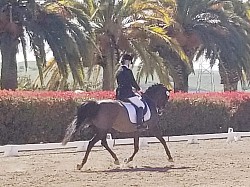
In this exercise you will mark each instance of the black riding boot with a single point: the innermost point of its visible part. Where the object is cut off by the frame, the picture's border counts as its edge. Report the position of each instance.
(139, 114)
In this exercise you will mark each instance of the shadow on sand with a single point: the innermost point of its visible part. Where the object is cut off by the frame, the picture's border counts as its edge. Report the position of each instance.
(141, 169)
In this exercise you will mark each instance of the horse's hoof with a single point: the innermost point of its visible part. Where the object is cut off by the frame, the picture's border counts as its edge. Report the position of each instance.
(116, 162)
(171, 160)
(79, 166)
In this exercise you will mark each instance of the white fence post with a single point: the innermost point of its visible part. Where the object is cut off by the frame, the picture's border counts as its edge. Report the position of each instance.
(11, 150)
(192, 140)
(230, 136)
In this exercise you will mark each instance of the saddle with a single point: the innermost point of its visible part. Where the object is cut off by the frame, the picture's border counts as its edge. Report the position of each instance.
(132, 111)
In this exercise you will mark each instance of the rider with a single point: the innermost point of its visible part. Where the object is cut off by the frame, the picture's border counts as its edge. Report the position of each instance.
(126, 82)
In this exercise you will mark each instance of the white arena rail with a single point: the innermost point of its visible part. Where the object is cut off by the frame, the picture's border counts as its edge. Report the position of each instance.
(12, 150)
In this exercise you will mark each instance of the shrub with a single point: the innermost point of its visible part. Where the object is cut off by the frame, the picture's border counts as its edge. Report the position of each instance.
(194, 117)
(200, 113)
(33, 117)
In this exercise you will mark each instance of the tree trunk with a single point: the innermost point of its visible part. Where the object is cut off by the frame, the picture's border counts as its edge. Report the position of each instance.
(180, 77)
(108, 75)
(9, 64)
(229, 77)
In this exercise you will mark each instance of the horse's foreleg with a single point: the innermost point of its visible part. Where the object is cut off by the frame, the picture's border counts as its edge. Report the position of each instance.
(161, 139)
(136, 148)
(163, 142)
(105, 144)
(90, 146)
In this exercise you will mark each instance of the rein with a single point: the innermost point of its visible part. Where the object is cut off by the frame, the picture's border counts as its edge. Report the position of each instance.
(151, 104)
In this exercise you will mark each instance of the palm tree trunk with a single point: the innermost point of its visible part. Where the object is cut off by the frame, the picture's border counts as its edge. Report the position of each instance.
(108, 75)
(180, 78)
(229, 77)
(9, 63)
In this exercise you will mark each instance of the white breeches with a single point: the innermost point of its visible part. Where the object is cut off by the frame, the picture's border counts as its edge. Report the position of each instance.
(136, 100)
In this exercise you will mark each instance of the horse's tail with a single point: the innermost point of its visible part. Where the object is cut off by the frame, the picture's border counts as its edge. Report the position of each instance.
(86, 111)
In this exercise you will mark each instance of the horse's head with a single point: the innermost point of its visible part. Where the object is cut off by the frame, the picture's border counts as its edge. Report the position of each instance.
(159, 94)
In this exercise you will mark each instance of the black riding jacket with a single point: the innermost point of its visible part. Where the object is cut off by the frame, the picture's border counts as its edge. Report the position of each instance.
(126, 82)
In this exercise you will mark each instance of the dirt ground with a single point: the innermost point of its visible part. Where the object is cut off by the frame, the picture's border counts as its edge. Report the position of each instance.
(209, 163)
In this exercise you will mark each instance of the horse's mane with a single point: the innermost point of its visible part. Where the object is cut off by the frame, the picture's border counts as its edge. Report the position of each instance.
(152, 89)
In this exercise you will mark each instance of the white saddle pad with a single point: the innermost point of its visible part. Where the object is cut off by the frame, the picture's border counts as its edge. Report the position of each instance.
(132, 112)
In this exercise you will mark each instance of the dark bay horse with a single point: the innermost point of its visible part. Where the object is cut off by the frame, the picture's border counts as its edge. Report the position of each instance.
(105, 115)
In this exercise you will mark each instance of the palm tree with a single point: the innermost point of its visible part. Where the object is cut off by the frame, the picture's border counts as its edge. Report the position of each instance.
(234, 60)
(207, 27)
(128, 26)
(42, 25)
(242, 10)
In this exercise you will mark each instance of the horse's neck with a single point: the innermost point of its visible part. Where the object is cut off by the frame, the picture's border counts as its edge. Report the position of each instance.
(149, 101)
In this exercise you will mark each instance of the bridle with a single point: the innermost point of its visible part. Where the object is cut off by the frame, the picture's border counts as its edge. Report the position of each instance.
(161, 109)
(159, 100)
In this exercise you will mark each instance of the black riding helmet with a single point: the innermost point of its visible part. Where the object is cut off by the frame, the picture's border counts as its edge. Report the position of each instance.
(126, 57)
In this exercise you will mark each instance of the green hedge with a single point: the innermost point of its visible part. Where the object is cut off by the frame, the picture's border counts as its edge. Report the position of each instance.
(206, 113)
(33, 121)
(187, 117)
(34, 117)
(240, 120)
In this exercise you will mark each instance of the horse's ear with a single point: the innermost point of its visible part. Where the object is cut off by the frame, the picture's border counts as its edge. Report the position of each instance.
(167, 93)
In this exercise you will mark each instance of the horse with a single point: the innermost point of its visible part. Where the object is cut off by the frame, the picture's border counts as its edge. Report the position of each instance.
(107, 115)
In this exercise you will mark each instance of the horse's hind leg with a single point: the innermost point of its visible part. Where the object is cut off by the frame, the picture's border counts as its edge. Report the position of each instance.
(136, 148)
(105, 144)
(158, 135)
(99, 135)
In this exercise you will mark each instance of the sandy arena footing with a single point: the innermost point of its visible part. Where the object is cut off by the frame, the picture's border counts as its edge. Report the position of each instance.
(210, 163)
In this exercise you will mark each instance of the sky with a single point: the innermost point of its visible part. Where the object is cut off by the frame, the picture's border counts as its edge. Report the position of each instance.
(30, 55)
(201, 63)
